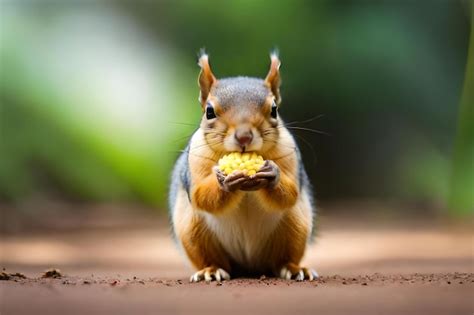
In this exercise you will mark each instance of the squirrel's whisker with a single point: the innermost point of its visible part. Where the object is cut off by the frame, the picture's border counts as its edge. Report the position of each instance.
(183, 124)
(304, 121)
(181, 138)
(202, 156)
(285, 155)
(279, 143)
(307, 129)
(219, 141)
(310, 146)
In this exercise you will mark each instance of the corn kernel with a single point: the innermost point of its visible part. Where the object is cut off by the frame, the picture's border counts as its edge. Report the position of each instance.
(249, 163)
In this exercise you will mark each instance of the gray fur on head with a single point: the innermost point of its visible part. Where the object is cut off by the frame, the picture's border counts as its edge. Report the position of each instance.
(240, 91)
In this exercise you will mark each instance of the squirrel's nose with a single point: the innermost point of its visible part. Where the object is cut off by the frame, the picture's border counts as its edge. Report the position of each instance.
(243, 137)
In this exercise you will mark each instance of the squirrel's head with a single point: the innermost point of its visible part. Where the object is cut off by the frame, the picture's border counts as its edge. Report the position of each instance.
(240, 113)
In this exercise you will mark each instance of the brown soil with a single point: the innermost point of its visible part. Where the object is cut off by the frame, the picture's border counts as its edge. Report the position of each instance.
(369, 294)
(133, 267)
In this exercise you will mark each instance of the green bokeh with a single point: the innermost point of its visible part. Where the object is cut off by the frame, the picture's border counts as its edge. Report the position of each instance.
(386, 75)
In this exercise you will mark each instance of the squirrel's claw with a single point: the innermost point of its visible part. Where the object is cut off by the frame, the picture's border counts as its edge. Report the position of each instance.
(298, 273)
(269, 171)
(219, 174)
(210, 273)
(267, 176)
(230, 182)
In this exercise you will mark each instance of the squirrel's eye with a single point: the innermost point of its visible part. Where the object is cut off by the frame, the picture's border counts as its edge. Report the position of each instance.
(210, 114)
(274, 111)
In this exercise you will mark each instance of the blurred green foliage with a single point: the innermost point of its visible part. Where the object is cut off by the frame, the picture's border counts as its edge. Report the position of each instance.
(461, 199)
(98, 98)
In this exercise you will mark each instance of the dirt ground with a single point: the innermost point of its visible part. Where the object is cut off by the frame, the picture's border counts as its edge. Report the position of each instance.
(368, 264)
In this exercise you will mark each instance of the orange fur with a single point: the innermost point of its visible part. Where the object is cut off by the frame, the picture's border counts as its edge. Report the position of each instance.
(286, 244)
(202, 247)
(286, 192)
(200, 221)
(285, 247)
(206, 194)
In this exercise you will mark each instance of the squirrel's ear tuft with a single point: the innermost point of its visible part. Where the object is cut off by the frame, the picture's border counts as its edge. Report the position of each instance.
(206, 77)
(273, 76)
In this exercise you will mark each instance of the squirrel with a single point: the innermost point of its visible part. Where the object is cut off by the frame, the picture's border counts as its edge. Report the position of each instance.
(238, 224)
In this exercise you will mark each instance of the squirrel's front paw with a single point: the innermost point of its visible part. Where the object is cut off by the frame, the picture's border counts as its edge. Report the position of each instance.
(267, 176)
(254, 184)
(230, 182)
(270, 172)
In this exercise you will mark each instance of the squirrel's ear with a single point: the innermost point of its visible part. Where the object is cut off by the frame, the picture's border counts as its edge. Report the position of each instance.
(206, 78)
(273, 77)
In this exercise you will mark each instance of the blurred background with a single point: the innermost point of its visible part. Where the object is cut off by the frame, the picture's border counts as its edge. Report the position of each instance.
(97, 98)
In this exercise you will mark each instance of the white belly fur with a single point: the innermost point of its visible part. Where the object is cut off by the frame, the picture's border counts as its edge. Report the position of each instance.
(244, 232)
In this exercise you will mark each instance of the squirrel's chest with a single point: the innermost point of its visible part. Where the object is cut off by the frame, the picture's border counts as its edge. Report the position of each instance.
(244, 231)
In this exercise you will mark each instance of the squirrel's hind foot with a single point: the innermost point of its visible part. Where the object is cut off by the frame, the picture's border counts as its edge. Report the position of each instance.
(293, 271)
(210, 273)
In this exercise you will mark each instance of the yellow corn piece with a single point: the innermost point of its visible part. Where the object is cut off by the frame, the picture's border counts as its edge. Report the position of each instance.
(249, 163)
